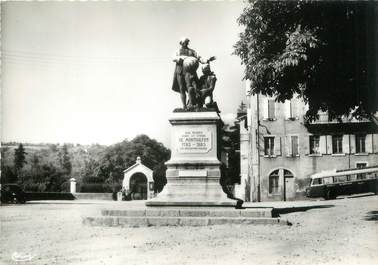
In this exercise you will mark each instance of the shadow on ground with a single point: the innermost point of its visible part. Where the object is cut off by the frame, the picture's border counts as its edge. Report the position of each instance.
(372, 216)
(278, 211)
(356, 196)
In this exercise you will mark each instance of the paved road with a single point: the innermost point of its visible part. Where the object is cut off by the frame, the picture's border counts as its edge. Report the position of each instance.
(343, 231)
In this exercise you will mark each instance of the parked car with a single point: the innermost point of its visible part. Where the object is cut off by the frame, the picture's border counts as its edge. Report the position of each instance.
(12, 193)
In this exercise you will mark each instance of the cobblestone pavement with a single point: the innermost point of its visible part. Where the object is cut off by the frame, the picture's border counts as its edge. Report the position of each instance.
(342, 231)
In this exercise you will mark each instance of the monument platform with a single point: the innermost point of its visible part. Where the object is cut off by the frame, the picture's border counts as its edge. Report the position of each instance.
(193, 172)
(183, 216)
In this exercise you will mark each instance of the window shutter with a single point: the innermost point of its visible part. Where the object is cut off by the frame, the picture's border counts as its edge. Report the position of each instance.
(375, 143)
(306, 144)
(346, 144)
(294, 145)
(288, 145)
(369, 143)
(323, 144)
(264, 107)
(261, 145)
(249, 117)
(277, 146)
(352, 144)
(287, 109)
(329, 144)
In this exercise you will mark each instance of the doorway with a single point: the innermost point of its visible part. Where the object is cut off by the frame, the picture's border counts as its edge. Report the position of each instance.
(138, 186)
(289, 185)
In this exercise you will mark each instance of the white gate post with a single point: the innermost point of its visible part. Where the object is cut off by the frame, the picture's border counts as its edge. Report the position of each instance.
(73, 185)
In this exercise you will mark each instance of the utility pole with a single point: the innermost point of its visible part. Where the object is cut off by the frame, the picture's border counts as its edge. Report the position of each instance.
(258, 148)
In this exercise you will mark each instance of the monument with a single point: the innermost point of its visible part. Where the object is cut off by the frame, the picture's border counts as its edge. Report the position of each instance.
(194, 170)
(193, 195)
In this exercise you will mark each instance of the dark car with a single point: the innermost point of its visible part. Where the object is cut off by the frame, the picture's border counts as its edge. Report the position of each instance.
(12, 193)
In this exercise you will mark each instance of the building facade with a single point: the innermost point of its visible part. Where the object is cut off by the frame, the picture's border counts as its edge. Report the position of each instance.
(280, 151)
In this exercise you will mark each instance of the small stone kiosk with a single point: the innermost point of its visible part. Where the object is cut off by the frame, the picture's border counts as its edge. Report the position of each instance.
(193, 172)
(140, 174)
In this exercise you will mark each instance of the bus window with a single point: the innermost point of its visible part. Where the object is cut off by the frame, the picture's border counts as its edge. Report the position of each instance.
(352, 177)
(361, 176)
(340, 179)
(328, 180)
(317, 181)
(371, 175)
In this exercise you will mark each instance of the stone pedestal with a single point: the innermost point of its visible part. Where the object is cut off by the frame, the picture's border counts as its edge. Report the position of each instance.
(193, 172)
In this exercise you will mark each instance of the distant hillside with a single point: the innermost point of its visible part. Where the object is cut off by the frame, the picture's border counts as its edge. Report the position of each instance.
(48, 167)
(50, 154)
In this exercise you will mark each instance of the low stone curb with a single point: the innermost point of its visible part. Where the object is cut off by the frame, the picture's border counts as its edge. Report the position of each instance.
(124, 221)
(259, 212)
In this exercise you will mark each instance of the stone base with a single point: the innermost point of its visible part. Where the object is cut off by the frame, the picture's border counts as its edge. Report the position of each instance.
(191, 194)
(169, 201)
(192, 184)
(189, 216)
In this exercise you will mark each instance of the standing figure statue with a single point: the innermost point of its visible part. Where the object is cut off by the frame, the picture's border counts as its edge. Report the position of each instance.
(185, 79)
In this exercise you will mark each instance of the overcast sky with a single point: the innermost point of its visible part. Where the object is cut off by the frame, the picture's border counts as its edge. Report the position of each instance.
(100, 72)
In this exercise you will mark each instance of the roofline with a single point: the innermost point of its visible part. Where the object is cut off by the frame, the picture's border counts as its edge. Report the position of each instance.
(336, 173)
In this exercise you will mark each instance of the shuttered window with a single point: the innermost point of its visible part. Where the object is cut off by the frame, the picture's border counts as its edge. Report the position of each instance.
(360, 143)
(314, 144)
(273, 182)
(269, 146)
(337, 144)
(361, 165)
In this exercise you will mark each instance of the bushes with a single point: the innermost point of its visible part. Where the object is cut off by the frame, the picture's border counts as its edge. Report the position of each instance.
(95, 188)
(33, 187)
(65, 187)
(35, 196)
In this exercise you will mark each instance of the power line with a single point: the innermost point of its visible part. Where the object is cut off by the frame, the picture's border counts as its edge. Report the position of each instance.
(61, 58)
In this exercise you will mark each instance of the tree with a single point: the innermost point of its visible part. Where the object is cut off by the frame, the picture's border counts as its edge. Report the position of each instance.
(231, 147)
(242, 109)
(120, 156)
(7, 174)
(65, 160)
(320, 51)
(19, 158)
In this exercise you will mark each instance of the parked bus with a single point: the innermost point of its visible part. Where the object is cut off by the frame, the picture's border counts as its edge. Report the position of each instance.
(330, 184)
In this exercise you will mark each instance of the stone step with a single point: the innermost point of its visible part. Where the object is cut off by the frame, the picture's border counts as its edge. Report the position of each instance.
(165, 212)
(140, 221)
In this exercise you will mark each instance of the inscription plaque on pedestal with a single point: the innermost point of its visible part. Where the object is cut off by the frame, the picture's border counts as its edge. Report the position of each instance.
(193, 140)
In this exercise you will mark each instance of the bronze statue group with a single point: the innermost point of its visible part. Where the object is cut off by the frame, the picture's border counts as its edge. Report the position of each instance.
(196, 93)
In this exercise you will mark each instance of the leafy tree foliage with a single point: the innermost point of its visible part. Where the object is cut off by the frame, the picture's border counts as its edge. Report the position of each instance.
(47, 178)
(19, 157)
(321, 51)
(230, 143)
(7, 174)
(120, 156)
(65, 160)
(43, 169)
(48, 167)
(242, 109)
